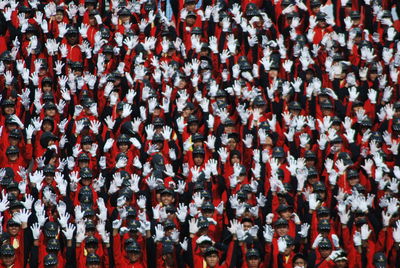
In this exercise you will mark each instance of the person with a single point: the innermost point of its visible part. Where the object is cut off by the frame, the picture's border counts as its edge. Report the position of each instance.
(199, 133)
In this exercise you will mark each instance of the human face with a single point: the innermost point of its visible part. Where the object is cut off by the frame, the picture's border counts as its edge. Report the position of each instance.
(198, 159)
(373, 76)
(50, 112)
(186, 112)
(316, 9)
(235, 159)
(167, 199)
(125, 19)
(247, 225)
(341, 264)
(86, 181)
(273, 73)
(191, 6)
(123, 147)
(92, 21)
(253, 262)
(13, 230)
(13, 141)
(46, 88)
(286, 214)
(353, 181)
(59, 16)
(72, 39)
(212, 260)
(282, 230)
(49, 179)
(310, 162)
(325, 252)
(300, 263)
(86, 147)
(12, 157)
(9, 110)
(193, 127)
(93, 266)
(47, 126)
(190, 21)
(232, 144)
(83, 164)
(133, 256)
(8, 260)
(322, 23)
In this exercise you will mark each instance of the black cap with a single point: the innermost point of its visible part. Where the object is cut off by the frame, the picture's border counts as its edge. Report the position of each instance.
(90, 225)
(259, 101)
(123, 139)
(283, 207)
(53, 244)
(50, 260)
(51, 229)
(8, 102)
(376, 136)
(169, 224)
(12, 150)
(325, 244)
(12, 222)
(319, 186)
(352, 173)
(324, 225)
(281, 222)
(252, 10)
(202, 222)
(158, 122)
(92, 258)
(133, 225)
(321, 211)
(83, 157)
(294, 105)
(49, 169)
(158, 138)
(289, 240)
(252, 253)
(321, 16)
(167, 191)
(15, 134)
(355, 14)
(310, 154)
(133, 247)
(386, 14)
(170, 209)
(85, 173)
(380, 260)
(207, 206)
(150, 5)
(278, 152)
(131, 211)
(210, 250)
(196, 30)
(46, 138)
(10, 186)
(124, 12)
(7, 250)
(91, 240)
(326, 104)
(315, 3)
(198, 150)
(72, 30)
(337, 139)
(360, 188)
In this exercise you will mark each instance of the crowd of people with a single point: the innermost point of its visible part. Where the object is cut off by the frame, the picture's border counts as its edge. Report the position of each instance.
(210, 133)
